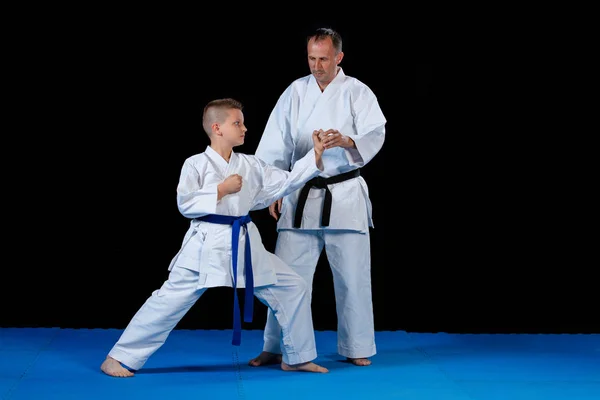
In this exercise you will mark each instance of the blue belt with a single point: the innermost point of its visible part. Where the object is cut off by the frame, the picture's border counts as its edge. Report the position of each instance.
(237, 223)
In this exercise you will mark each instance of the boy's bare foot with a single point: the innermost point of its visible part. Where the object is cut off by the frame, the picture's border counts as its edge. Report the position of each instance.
(361, 362)
(112, 367)
(304, 367)
(265, 358)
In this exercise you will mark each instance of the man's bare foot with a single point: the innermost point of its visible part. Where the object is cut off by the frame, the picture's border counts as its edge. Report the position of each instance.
(304, 367)
(361, 362)
(265, 358)
(112, 367)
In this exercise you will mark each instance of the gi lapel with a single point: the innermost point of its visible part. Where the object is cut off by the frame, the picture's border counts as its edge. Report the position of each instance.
(315, 102)
(218, 163)
(309, 102)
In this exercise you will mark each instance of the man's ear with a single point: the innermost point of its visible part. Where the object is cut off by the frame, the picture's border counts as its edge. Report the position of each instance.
(339, 57)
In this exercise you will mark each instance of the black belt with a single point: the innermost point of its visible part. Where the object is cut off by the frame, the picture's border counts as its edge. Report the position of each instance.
(321, 183)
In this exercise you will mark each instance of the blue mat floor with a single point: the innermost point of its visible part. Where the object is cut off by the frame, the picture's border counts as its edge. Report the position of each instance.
(54, 363)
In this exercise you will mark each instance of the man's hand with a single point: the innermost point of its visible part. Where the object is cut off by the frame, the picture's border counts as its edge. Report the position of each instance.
(275, 209)
(334, 138)
(231, 184)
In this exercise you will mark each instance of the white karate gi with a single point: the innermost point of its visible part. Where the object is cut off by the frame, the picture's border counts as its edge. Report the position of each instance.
(349, 106)
(205, 260)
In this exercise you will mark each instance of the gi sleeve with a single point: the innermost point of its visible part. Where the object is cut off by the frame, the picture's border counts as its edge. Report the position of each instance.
(278, 183)
(194, 199)
(370, 127)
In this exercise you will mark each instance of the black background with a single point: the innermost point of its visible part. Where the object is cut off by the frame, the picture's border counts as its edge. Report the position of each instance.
(474, 216)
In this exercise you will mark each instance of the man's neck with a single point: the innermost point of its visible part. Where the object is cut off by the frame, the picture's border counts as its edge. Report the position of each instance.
(322, 87)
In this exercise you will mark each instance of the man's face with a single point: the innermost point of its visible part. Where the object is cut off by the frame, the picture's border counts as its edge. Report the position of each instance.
(323, 61)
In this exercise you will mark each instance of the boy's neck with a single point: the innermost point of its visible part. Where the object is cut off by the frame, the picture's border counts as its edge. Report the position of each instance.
(223, 151)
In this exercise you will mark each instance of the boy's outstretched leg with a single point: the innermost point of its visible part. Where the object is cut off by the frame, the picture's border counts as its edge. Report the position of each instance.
(112, 367)
(151, 325)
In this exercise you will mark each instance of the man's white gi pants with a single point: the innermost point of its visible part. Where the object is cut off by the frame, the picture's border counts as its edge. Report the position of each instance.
(349, 257)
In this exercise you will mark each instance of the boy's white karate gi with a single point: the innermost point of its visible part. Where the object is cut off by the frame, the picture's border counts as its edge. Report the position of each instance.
(205, 260)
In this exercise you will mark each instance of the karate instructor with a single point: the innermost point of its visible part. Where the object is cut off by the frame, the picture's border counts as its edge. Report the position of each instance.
(333, 211)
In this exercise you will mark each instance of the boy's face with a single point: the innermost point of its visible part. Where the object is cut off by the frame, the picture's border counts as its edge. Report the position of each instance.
(233, 129)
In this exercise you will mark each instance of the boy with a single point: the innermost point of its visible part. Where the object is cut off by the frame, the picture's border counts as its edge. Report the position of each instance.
(217, 189)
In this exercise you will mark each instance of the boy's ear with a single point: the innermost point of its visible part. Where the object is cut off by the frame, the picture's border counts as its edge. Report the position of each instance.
(215, 129)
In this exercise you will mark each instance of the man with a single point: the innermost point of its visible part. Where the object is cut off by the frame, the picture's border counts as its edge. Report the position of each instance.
(222, 247)
(333, 211)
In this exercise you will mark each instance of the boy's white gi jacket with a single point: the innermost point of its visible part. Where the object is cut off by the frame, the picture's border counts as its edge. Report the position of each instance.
(206, 247)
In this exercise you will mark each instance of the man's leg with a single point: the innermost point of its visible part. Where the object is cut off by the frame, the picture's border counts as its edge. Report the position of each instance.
(152, 324)
(349, 256)
(289, 301)
(300, 250)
